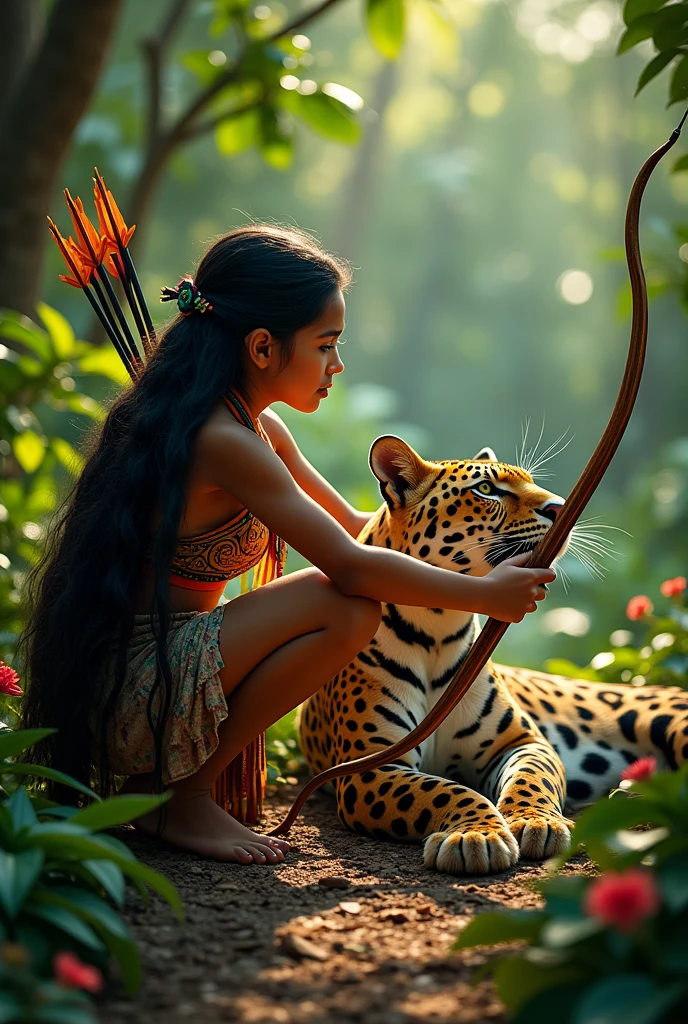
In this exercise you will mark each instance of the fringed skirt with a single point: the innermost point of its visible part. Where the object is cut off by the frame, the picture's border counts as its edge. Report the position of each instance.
(198, 704)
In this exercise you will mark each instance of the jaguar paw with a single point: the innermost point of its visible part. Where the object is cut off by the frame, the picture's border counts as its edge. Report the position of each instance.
(471, 852)
(539, 837)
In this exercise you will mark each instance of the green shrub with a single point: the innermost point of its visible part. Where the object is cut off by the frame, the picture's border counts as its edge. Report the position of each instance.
(61, 886)
(611, 949)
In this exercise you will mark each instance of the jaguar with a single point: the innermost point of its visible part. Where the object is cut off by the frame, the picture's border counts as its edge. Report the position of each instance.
(500, 776)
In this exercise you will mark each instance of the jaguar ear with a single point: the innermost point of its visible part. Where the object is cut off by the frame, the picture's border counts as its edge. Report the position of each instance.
(485, 454)
(399, 469)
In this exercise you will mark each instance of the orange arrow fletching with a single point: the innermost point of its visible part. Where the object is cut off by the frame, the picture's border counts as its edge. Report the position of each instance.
(80, 264)
(110, 220)
(93, 245)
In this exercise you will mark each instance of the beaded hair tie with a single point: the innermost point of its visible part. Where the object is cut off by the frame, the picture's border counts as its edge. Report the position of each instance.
(187, 296)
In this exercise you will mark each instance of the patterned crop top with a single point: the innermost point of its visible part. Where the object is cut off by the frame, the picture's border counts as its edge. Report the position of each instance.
(209, 560)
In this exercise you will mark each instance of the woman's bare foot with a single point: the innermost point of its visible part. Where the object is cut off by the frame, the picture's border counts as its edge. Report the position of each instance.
(193, 821)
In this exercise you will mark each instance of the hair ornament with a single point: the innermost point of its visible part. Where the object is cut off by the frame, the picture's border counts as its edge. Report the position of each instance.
(187, 296)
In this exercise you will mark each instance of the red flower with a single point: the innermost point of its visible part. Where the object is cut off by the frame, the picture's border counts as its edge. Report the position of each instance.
(623, 899)
(639, 606)
(72, 973)
(9, 680)
(672, 588)
(641, 769)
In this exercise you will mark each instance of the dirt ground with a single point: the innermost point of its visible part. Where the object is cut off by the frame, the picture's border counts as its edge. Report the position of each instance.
(264, 944)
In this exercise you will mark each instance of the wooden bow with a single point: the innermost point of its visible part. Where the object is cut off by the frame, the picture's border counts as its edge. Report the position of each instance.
(548, 547)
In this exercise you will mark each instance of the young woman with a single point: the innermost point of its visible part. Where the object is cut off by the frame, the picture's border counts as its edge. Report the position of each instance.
(128, 651)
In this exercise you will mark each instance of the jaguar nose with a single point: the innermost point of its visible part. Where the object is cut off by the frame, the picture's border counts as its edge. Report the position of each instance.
(551, 510)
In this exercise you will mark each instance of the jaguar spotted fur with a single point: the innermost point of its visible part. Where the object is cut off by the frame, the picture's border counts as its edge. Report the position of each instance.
(492, 782)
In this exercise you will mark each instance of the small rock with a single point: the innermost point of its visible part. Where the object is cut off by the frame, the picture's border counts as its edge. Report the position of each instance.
(334, 882)
(195, 870)
(396, 915)
(350, 907)
(299, 948)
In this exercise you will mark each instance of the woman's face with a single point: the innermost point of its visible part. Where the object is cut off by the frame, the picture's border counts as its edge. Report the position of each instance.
(305, 380)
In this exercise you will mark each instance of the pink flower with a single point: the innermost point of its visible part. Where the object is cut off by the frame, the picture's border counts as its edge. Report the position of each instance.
(9, 680)
(641, 769)
(623, 899)
(672, 588)
(72, 973)
(639, 606)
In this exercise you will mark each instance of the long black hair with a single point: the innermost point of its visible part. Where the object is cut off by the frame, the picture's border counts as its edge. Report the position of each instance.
(80, 595)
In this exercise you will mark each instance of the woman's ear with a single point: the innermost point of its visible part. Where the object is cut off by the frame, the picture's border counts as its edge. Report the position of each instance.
(400, 470)
(261, 347)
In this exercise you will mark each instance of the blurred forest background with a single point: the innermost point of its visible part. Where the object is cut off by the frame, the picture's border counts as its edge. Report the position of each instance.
(478, 184)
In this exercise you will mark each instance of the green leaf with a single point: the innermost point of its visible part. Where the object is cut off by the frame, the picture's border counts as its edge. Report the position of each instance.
(553, 1003)
(519, 980)
(142, 873)
(561, 931)
(42, 772)
(669, 31)
(85, 405)
(89, 906)
(66, 922)
(634, 9)
(681, 164)
(58, 841)
(11, 1009)
(678, 87)
(63, 1014)
(196, 61)
(641, 29)
(29, 450)
(626, 999)
(12, 742)
(106, 363)
(673, 879)
(486, 929)
(608, 816)
(67, 455)
(18, 874)
(108, 875)
(118, 810)
(59, 331)
(324, 114)
(276, 140)
(18, 327)
(236, 134)
(19, 806)
(654, 67)
(386, 22)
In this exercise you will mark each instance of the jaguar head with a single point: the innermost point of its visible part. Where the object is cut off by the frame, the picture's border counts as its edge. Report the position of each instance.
(465, 515)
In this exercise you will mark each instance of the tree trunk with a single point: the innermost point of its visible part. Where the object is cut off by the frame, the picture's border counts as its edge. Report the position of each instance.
(22, 25)
(35, 134)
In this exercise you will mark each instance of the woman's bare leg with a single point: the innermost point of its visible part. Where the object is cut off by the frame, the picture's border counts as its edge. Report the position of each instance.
(279, 645)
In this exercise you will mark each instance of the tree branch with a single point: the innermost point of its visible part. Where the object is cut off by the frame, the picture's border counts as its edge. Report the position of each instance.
(209, 125)
(154, 48)
(201, 101)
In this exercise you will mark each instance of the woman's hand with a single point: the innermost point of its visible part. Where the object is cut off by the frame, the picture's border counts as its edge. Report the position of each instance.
(511, 590)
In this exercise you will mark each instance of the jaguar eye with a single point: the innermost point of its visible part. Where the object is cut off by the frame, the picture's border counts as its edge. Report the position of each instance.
(484, 487)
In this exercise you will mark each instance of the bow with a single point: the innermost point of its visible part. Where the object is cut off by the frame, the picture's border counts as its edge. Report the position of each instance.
(545, 552)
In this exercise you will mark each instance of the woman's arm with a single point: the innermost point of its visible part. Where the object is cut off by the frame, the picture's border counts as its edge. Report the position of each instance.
(308, 478)
(236, 459)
